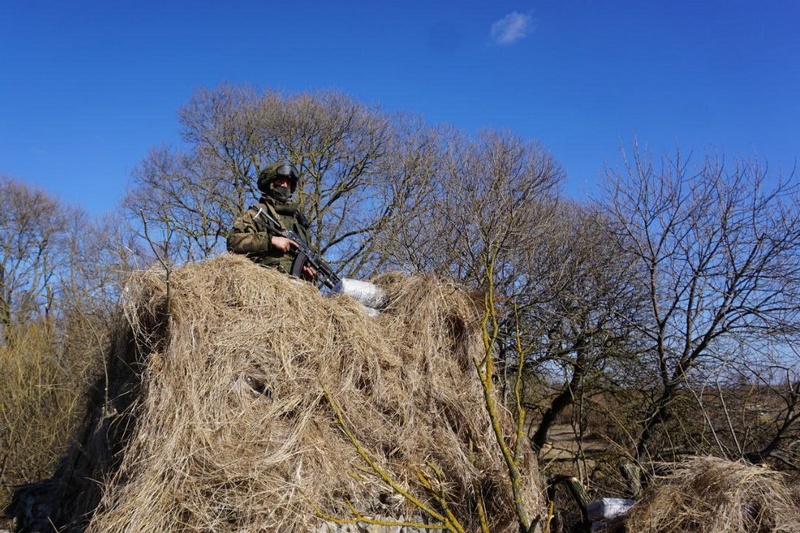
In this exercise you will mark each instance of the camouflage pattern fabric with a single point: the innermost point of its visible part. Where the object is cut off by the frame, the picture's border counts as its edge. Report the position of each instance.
(251, 237)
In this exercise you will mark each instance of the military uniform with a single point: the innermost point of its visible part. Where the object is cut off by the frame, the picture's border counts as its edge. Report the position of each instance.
(251, 235)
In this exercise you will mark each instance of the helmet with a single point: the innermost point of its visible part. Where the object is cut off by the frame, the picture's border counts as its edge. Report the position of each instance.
(274, 171)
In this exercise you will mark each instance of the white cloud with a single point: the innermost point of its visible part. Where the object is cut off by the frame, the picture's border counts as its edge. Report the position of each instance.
(511, 28)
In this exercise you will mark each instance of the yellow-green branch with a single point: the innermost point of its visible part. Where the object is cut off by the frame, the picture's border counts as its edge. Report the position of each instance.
(489, 339)
(448, 522)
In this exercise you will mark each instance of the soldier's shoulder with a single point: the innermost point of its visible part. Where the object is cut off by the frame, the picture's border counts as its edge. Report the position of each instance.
(254, 209)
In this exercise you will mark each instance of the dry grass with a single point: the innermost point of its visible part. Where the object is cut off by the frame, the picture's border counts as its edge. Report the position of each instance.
(220, 412)
(39, 401)
(710, 495)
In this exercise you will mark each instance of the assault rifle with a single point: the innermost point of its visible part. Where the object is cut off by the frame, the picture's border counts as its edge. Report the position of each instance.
(304, 255)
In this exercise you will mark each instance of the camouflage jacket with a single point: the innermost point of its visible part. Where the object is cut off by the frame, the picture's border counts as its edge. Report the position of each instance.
(251, 236)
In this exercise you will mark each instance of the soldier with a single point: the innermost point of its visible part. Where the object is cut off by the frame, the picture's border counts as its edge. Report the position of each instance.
(251, 236)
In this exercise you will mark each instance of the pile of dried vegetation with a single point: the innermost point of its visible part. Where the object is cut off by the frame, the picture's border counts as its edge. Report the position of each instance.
(237, 399)
(711, 495)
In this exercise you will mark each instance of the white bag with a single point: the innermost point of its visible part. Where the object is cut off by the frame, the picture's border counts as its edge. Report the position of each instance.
(608, 508)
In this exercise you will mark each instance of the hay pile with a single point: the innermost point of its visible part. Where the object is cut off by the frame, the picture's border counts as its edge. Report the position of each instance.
(221, 409)
(710, 495)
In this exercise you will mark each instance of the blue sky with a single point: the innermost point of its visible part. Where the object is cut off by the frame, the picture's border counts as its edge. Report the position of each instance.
(88, 87)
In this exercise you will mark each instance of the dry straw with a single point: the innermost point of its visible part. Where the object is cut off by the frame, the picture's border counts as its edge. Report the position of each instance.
(711, 495)
(250, 402)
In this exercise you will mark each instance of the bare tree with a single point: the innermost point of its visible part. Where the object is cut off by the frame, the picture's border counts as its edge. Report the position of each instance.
(719, 248)
(31, 228)
(55, 257)
(582, 318)
(343, 149)
(370, 181)
(100, 253)
(491, 193)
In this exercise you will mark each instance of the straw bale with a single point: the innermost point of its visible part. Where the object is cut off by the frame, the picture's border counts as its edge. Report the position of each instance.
(220, 409)
(711, 495)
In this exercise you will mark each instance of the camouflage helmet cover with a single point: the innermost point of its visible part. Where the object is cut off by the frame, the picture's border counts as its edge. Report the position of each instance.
(274, 171)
